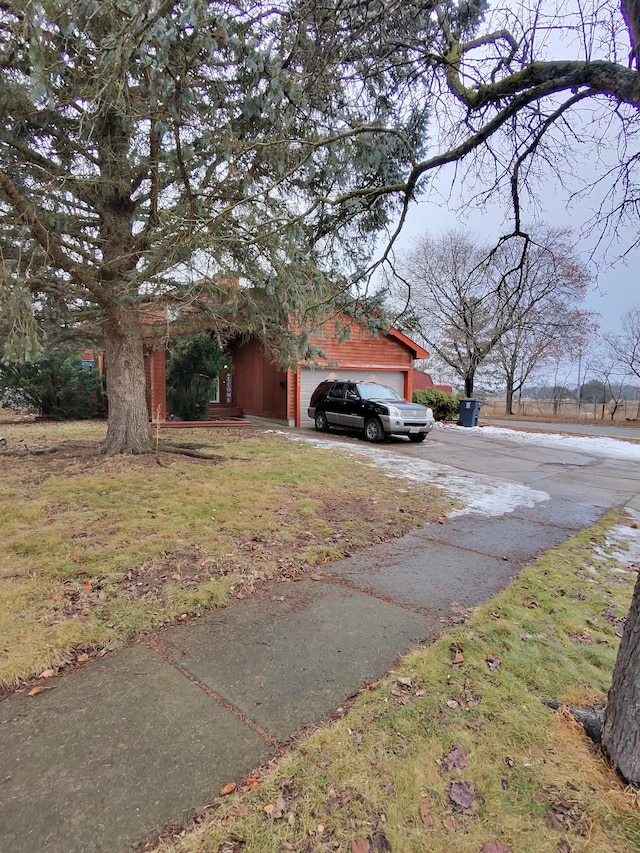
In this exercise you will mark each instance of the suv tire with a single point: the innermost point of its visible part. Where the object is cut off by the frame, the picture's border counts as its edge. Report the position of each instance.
(322, 424)
(373, 430)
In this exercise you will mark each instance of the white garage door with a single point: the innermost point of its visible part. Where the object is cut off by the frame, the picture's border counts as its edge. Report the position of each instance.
(310, 379)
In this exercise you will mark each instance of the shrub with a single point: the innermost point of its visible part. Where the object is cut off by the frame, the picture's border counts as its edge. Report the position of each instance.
(191, 374)
(59, 386)
(446, 407)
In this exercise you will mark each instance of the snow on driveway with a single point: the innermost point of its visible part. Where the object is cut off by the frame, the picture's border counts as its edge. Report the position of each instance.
(482, 495)
(609, 448)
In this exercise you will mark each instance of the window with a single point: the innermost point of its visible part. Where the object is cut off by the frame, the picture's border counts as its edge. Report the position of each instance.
(337, 392)
(352, 393)
(373, 391)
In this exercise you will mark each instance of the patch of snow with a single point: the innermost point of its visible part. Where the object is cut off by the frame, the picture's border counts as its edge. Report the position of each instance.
(482, 495)
(610, 448)
(626, 539)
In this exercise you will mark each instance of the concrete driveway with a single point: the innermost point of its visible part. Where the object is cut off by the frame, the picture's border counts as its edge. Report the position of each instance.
(601, 472)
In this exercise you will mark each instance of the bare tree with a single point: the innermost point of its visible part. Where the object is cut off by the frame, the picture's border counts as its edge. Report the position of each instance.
(514, 303)
(454, 300)
(624, 347)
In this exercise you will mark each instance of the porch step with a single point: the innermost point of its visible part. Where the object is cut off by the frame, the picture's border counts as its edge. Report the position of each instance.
(216, 423)
(222, 410)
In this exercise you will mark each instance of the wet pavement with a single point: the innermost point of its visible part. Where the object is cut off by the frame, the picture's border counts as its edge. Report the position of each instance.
(146, 735)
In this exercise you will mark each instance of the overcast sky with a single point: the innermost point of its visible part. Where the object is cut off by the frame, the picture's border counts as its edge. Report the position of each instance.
(617, 282)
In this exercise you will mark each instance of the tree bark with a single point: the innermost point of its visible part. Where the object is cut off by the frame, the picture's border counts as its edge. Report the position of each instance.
(128, 423)
(621, 730)
(509, 400)
(468, 383)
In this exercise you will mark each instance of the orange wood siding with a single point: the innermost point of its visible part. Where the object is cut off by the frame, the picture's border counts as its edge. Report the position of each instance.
(361, 350)
(293, 403)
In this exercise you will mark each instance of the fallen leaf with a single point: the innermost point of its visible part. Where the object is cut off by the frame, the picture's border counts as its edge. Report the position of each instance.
(456, 758)
(251, 783)
(452, 703)
(462, 794)
(495, 847)
(277, 809)
(285, 847)
(34, 691)
(82, 658)
(228, 789)
(405, 682)
(475, 725)
(238, 811)
(380, 843)
(554, 821)
(425, 815)
(374, 685)
(360, 845)
(458, 657)
(493, 662)
(87, 586)
(449, 822)
(48, 673)
(564, 846)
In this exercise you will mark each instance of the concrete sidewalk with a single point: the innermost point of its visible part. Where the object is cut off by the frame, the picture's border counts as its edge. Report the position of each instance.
(111, 752)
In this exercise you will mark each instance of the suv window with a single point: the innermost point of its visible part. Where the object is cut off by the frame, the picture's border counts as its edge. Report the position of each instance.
(352, 393)
(337, 392)
(373, 391)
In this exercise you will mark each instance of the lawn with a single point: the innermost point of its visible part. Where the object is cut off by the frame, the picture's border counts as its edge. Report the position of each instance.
(96, 551)
(454, 750)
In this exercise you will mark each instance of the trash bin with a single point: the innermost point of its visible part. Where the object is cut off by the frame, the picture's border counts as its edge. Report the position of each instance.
(469, 410)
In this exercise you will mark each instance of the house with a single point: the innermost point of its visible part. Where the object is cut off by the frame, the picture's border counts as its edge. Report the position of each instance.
(257, 386)
(422, 381)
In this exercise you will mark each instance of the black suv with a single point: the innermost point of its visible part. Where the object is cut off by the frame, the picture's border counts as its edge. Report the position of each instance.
(375, 409)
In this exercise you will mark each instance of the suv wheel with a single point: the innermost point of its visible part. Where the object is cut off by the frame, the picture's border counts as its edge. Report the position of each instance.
(373, 430)
(322, 425)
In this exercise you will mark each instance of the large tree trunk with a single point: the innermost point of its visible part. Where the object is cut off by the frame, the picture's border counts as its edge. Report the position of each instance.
(128, 425)
(621, 731)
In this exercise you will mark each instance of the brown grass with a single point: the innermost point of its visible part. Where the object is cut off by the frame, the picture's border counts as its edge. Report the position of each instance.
(96, 550)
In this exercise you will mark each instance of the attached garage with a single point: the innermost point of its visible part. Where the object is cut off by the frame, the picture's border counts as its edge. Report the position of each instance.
(310, 379)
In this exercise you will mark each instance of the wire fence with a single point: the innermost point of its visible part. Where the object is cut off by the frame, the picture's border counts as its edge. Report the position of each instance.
(528, 407)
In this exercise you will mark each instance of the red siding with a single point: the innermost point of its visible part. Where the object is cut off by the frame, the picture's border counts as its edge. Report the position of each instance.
(259, 386)
(155, 368)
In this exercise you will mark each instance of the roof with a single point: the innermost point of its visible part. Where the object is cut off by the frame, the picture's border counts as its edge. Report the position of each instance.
(418, 351)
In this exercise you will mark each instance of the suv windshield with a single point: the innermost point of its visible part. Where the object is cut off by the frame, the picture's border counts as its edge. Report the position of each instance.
(372, 391)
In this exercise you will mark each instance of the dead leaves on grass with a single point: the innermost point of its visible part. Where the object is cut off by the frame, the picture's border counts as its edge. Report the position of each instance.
(456, 759)
(463, 794)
